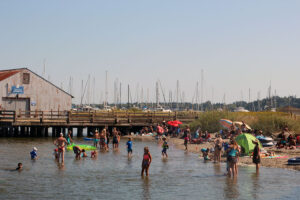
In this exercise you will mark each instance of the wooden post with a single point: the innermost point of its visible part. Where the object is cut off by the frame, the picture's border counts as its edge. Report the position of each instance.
(79, 131)
(22, 131)
(46, 131)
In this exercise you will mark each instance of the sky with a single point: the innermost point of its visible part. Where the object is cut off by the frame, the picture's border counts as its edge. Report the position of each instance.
(239, 45)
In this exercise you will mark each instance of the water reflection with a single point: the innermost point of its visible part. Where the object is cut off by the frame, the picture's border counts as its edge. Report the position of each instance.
(217, 168)
(255, 185)
(146, 188)
(231, 189)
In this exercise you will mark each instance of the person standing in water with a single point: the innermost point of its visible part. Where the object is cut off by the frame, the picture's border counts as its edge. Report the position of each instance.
(115, 138)
(102, 140)
(69, 137)
(61, 143)
(147, 159)
(129, 147)
(165, 147)
(218, 148)
(96, 139)
(256, 155)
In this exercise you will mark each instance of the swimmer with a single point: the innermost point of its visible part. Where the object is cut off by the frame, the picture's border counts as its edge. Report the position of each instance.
(165, 147)
(129, 147)
(61, 143)
(84, 155)
(20, 167)
(33, 153)
(147, 159)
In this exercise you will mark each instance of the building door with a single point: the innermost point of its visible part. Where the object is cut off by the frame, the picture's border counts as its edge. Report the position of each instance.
(16, 104)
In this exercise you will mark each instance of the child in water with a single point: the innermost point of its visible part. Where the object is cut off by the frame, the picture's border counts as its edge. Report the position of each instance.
(165, 146)
(55, 153)
(186, 139)
(77, 151)
(33, 153)
(93, 154)
(20, 166)
(84, 155)
(129, 147)
(147, 159)
(205, 153)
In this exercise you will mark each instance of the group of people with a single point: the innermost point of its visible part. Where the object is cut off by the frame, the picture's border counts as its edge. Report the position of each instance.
(287, 142)
(103, 139)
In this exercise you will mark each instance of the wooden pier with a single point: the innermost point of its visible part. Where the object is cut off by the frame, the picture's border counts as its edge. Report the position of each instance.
(37, 123)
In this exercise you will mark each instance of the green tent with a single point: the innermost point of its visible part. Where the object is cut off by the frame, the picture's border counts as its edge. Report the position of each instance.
(245, 141)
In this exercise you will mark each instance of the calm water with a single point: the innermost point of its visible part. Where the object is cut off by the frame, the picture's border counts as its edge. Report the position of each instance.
(113, 176)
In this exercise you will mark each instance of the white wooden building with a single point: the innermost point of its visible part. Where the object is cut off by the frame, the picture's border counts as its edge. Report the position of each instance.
(22, 89)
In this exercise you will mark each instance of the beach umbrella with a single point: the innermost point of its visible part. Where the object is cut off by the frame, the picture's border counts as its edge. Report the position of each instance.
(174, 123)
(239, 124)
(226, 123)
(245, 141)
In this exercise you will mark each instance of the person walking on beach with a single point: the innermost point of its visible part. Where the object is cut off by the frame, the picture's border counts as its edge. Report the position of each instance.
(256, 155)
(61, 142)
(218, 148)
(147, 159)
(165, 147)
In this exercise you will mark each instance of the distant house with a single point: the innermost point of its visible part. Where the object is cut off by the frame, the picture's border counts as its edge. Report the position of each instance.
(22, 89)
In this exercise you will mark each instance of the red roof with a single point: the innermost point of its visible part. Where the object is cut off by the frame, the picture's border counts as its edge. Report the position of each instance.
(7, 73)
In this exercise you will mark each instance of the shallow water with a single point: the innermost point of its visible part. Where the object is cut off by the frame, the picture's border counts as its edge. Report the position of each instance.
(113, 176)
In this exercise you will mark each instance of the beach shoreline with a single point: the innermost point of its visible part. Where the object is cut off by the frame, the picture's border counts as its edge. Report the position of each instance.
(243, 161)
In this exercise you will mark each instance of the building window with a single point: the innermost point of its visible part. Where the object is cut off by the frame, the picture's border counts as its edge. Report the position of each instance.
(26, 78)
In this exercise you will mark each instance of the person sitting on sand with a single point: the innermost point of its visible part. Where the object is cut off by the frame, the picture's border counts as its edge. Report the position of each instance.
(33, 153)
(256, 155)
(291, 144)
(147, 159)
(20, 167)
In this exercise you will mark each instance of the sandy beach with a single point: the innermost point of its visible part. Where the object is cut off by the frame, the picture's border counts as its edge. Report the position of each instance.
(265, 162)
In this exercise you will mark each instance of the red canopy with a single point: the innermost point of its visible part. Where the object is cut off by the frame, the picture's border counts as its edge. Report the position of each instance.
(174, 123)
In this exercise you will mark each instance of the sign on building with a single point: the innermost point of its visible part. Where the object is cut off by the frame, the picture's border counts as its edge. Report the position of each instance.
(17, 89)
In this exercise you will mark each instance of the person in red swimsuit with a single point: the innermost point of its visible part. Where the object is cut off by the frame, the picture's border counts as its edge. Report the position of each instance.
(147, 159)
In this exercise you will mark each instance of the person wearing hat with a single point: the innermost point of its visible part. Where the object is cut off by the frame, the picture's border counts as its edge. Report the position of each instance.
(256, 155)
(61, 142)
(33, 153)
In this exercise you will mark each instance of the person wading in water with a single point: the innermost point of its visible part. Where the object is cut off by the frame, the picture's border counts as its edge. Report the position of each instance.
(61, 142)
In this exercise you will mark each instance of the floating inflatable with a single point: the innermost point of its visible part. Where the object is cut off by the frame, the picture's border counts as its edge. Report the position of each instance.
(294, 161)
(88, 139)
(82, 146)
(268, 144)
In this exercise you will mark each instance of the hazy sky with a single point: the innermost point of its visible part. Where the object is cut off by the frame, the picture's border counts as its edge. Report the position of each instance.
(238, 44)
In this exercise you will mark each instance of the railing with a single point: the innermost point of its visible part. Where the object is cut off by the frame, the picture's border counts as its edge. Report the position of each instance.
(94, 117)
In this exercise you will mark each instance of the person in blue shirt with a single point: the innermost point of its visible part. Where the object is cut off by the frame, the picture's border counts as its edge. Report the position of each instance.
(33, 153)
(129, 147)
